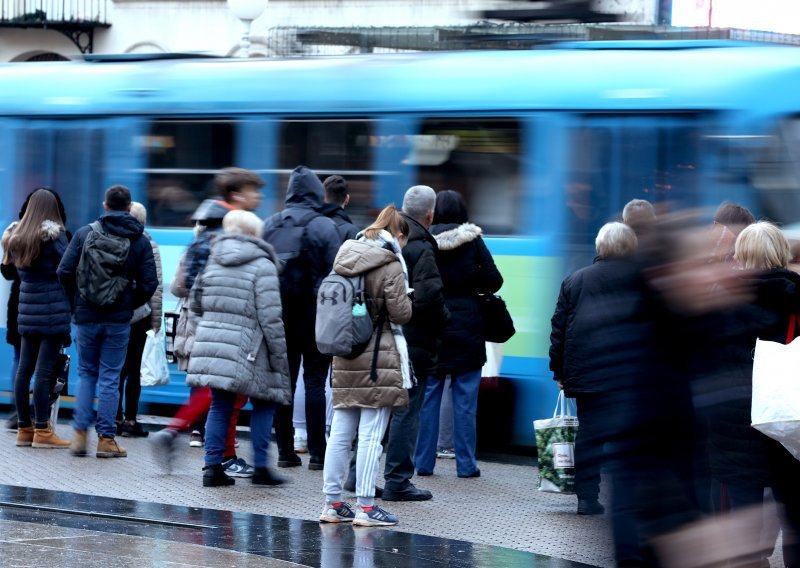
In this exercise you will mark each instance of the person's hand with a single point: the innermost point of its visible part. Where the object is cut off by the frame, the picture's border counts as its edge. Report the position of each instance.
(560, 385)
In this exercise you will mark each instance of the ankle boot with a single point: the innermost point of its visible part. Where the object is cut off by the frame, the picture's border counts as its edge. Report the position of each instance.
(215, 476)
(265, 476)
(25, 436)
(79, 442)
(46, 438)
(108, 448)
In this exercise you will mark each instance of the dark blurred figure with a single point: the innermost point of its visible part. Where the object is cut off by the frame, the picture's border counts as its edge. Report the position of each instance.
(729, 220)
(336, 198)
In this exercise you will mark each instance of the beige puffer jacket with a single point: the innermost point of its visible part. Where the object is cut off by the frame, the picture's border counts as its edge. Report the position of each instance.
(351, 384)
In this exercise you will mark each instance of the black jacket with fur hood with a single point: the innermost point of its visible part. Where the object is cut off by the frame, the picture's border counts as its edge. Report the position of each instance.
(467, 269)
(43, 304)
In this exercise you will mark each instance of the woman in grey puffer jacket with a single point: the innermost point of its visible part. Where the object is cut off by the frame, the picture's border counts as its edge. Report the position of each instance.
(240, 345)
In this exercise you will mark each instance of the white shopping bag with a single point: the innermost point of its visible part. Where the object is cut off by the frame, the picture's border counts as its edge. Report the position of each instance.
(494, 360)
(555, 444)
(776, 392)
(155, 370)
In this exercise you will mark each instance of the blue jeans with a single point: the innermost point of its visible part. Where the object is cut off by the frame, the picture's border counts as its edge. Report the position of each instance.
(219, 418)
(465, 410)
(101, 353)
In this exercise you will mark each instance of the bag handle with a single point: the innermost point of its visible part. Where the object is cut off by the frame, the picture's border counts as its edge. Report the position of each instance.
(790, 334)
(564, 404)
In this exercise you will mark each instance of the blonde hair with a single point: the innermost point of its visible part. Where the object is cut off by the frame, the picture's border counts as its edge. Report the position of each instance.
(389, 220)
(240, 222)
(762, 245)
(615, 239)
(139, 212)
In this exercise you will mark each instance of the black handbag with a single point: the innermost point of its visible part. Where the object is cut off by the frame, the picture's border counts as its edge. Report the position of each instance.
(498, 327)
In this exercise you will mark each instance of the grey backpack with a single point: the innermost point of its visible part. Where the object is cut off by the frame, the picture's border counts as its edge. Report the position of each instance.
(102, 275)
(343, 326)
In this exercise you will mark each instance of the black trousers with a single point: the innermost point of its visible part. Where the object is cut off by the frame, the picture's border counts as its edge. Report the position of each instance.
(39, 355)
(301, 346)
(130, 379)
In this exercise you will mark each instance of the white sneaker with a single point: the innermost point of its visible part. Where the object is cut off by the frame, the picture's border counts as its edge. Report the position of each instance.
(196, 439)
(446, 454)
(300, 445)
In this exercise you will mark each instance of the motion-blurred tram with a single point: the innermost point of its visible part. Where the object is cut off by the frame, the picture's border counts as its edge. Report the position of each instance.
(546, 145)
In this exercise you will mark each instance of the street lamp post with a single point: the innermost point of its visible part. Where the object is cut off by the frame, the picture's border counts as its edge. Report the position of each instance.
(247, 11)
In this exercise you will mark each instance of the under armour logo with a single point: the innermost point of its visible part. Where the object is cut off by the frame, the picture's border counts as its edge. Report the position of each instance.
(333, 298)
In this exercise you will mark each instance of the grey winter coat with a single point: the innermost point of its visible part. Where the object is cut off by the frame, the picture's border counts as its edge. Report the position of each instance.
(351, 386)
(240, 345)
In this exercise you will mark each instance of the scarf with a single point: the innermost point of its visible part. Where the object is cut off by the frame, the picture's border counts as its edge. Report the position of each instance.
(387, 241)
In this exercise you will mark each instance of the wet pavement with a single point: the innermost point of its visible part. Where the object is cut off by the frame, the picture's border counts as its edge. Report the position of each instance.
(58, 510)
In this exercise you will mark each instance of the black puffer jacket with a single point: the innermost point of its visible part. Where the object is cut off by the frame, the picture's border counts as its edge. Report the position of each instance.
(467, 269)
(424, 332)
(140, 269)
(43, 304)
(344, 226)
(602, 329)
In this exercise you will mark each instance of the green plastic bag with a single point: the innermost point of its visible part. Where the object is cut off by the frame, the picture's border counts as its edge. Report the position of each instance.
(555, 443)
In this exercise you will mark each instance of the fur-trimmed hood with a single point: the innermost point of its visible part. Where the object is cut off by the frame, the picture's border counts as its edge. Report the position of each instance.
(451, 238)
(50, 230)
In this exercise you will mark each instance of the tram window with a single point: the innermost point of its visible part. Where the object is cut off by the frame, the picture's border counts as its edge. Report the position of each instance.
(182, 158)
(70, 159)
(480, 158)
(612, 164)
(775, 174)
(328, 147)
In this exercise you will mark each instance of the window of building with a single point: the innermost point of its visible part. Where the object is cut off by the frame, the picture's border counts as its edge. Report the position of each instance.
(182, 158)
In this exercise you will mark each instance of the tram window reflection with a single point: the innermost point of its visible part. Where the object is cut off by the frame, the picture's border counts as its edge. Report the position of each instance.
(331, 146)
(775, 174)
(481, 159)
(182, 158)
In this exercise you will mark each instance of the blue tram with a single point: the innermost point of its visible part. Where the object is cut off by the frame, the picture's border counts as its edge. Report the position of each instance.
(545, 145)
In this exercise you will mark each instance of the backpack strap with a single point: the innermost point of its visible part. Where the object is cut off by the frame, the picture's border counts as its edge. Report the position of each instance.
(97, 227)
(373, 371)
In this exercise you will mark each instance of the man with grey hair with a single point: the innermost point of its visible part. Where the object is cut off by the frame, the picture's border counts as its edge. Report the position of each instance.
(423, 335)
(639, 215)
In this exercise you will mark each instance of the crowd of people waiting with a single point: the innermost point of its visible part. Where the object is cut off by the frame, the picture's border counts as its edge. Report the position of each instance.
(248, 302)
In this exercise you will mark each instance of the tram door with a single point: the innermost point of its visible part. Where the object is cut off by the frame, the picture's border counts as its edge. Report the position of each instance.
(615, 159)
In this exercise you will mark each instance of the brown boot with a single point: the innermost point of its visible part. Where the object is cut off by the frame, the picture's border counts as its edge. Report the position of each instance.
(46, 438)
(108, 448)
(24, 436)
(78, 446)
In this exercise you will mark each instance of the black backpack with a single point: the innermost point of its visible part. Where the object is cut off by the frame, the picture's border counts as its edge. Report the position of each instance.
(102, 274)
(287, 233)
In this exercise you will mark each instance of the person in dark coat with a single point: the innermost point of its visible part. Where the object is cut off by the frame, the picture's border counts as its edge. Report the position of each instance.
(9, 272)
(300, 279)
(467, 270)
(423, 334)
(103, 332)
(337, 197)
(35, 248)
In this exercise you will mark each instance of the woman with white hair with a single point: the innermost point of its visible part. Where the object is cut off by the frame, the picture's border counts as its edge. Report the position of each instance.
(145, 317)
(240, 344)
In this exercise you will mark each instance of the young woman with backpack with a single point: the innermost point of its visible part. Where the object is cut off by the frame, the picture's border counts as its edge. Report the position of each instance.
(35, 248)
(367, 387)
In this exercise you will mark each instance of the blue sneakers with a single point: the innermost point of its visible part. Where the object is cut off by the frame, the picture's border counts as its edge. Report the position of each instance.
(343, 513)
(374, 517)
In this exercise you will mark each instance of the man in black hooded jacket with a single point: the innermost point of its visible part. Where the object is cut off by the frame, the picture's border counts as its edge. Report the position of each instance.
(307, 242)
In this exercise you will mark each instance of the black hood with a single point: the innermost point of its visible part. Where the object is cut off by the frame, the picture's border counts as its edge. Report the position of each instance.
(305, 189)
(121, 224)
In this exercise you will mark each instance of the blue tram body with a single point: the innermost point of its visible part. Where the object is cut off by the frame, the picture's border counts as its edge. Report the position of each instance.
(545, 145)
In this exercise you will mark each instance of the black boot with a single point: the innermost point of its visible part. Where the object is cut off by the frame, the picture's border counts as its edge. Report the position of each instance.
(215, 476)
(265, 476)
